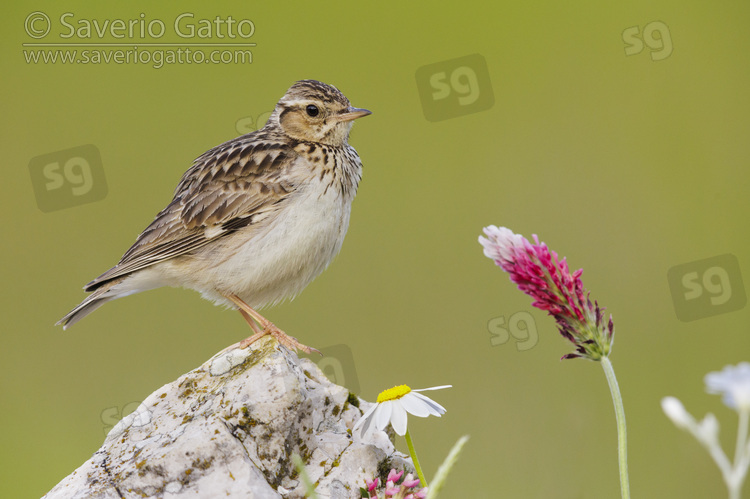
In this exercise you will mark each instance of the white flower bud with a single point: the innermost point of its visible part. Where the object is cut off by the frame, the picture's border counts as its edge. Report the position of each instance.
(675, 411)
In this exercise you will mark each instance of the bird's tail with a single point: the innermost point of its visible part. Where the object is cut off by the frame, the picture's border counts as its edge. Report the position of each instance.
(91, 303)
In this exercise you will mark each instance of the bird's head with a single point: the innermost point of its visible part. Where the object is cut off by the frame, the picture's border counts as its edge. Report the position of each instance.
(312, 111)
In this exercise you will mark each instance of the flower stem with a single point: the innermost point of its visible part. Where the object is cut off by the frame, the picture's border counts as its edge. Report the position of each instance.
(740, 459)
(309, 489)
(415, 460)
(622, 435)
(442, 473)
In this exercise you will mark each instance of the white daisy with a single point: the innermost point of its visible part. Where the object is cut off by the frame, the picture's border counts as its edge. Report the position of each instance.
(392, 406)
(733, 383)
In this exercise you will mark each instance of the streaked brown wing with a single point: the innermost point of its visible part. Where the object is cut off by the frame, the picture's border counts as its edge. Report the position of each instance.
(222, 192)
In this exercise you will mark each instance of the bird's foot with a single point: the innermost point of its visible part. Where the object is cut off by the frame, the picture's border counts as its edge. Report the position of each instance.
(256, 321)
(284, 339)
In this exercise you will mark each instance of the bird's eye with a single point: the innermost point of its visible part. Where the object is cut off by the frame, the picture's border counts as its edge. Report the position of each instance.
(312, 111)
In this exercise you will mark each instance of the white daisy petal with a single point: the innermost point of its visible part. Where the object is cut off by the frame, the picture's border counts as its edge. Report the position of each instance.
(364, 427)
(435, 408)
(383, 414)
(368, 412)
(365, 421)
(398, 417)
(433, 388)
(414, 405)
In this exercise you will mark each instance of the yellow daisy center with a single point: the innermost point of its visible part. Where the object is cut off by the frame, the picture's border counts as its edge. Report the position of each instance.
(393, 393)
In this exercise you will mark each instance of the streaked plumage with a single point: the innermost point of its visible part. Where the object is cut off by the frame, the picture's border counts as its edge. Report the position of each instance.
(256, 218)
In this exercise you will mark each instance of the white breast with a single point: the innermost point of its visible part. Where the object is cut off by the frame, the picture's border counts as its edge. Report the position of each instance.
(279, 257)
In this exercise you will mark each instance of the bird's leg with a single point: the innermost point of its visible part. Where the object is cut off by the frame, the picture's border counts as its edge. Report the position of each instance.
(255, 320)
(254, 325)
(251, 321)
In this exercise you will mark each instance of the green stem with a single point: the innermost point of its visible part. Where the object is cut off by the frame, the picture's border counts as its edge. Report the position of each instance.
(622, 434)
(309, 489)
(415, 460)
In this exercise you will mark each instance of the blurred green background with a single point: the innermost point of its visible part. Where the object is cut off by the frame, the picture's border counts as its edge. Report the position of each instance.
(629, 165)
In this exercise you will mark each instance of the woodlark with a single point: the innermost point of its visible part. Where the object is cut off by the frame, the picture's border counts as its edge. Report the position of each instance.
(255, 219)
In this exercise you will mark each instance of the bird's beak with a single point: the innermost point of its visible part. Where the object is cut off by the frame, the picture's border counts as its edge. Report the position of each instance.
(352, 113)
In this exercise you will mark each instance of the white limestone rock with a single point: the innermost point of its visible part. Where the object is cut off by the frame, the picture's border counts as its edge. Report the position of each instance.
(229, 429)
